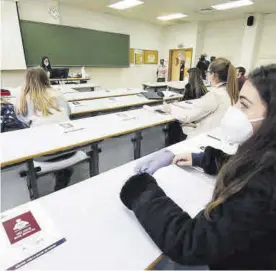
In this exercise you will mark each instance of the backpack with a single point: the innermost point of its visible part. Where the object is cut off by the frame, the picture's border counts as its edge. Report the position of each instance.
(9, 121)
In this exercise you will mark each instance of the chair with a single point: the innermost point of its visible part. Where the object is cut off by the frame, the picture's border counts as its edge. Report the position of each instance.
(50, 164)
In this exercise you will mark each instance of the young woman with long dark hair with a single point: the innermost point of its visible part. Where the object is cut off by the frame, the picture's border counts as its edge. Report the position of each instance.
(195, 87)
(237, 229)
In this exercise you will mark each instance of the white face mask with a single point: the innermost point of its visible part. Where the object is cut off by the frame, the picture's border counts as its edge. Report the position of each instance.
(236, 127)
(46, 63)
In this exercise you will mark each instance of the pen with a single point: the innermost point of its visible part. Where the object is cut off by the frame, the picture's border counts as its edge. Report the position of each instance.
(214, 137)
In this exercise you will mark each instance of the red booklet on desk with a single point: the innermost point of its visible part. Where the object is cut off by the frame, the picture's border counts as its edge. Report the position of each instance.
(26, 233)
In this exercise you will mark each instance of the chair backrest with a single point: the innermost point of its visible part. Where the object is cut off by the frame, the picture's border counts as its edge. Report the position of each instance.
(58, 156)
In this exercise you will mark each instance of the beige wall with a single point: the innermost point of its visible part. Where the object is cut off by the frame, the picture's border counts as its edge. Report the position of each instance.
(142, 36)
(228, 38)
(267, 51)
(224, 39)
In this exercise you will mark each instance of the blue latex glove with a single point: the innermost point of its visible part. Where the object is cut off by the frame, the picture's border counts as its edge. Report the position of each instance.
(156, 161)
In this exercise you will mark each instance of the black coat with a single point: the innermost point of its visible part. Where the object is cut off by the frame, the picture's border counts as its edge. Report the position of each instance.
(212, 160)
(241, 234)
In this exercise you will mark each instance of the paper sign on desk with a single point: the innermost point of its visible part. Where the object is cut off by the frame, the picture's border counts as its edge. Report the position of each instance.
(76, 103)
(113, 99)
(68, 127)
(125, 116)
(26, 233)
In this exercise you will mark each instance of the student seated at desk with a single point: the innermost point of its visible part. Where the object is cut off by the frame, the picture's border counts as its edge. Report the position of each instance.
(39, 104)
(204, 114)
(237, 229)
(195, 88)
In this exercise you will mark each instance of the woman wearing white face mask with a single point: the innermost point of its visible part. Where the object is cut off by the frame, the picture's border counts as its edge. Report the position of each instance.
(237, 229)
(46, 65)
(240, 122)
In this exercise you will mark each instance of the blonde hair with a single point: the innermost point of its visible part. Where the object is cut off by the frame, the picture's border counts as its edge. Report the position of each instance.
(37, 83)
(226, 72)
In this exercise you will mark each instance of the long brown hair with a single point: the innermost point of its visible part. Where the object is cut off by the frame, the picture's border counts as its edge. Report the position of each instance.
(258, 154)
(226, 72)
(197, 87)
(36, 86)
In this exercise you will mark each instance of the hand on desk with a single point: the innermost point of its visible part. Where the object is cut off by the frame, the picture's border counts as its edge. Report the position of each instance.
(154, 162)
(184, 159)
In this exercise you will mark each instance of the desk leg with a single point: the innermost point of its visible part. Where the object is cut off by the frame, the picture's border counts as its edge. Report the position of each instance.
(137, 144)
(165, 130)
(32, 180)
(94, 159)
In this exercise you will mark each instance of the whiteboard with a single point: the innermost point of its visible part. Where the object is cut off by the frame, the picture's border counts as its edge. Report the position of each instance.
(12, 53)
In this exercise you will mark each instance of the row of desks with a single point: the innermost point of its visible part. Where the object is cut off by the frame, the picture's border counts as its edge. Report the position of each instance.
(99, 94)
(97, 106)
(96, 221)
(90, 86)
(48, 139)
(97, 224)
(103, 101)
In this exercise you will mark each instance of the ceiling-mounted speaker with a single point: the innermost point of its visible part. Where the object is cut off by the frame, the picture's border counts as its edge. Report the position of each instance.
(250, 21)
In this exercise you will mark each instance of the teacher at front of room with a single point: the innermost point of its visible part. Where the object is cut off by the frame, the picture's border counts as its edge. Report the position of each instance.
(46, 65)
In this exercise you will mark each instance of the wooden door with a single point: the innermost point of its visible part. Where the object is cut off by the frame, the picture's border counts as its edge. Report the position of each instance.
(188, 60)
(176, 56)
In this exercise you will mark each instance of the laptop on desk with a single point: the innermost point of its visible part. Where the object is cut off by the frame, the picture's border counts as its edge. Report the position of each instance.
(153, 95)
(59, 73)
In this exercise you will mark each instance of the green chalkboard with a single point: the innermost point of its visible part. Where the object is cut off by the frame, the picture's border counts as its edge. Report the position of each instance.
(72, 46)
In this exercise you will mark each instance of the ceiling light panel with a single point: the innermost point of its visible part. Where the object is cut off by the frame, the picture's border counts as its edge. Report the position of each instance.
(233, 4)
(125, 4)
(172, 17)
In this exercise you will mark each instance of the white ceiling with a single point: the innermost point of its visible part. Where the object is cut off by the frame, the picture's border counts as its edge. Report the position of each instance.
(153, 8)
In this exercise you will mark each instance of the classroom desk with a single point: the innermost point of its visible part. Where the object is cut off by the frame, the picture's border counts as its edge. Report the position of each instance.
(49, 139)
(69, 79)
(116, 103)
(177, 86)
(68, 88)
(97, 223)
(99, 94)
(155, 85)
